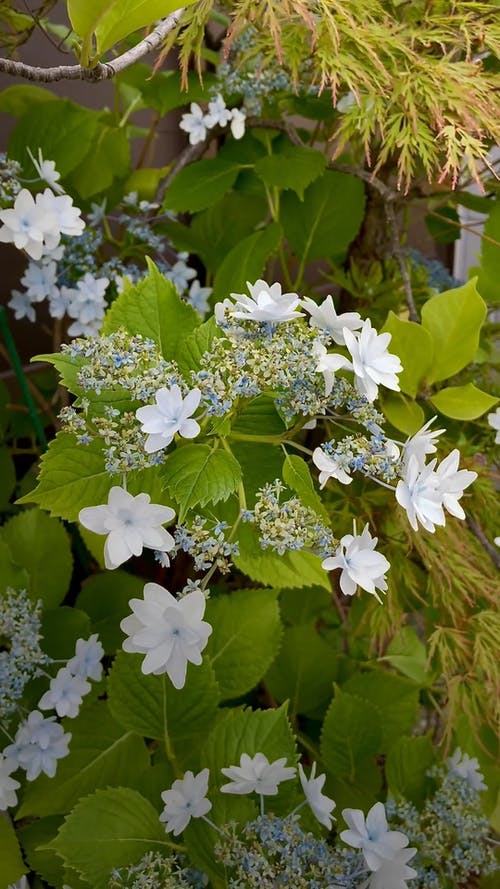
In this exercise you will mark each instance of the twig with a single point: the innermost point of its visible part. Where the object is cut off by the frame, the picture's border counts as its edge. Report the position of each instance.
(479, 534)
(397, 252)
(101, 71)
(13, 355)
(188, 155)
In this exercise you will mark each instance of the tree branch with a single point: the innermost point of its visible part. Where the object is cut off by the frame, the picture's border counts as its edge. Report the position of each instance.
(399, 256)
(490, 548)
(101, 71)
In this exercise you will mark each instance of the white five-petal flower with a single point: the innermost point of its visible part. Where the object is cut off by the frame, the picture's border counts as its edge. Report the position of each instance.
(329, 468)
(393, 873)
(86, 662)
(321, 806)
(359, 563)
(266, 303)
(325, 317)
(218, 113)
(418, 493)
(29, 225)
(170, 632)
(171, 414)
(255, 774)
(466, 767)
(8, 785)
(186, 799)
(47, 171)
(373, 365)
(373, 837)
(194, 123)
(65, 694)
(38, 744)
(130, 523)
(452, 483)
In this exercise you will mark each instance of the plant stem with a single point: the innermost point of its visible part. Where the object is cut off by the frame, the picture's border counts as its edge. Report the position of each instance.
(21, 378)
(169, 750)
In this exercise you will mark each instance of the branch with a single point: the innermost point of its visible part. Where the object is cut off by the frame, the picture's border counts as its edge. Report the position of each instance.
(101, 71)
(491, 549)
(188, 155)
(399, 256)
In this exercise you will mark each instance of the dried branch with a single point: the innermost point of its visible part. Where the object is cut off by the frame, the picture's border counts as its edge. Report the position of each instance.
(101, 71)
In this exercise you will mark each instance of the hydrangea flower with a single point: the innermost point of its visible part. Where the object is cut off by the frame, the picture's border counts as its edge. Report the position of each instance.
(194, 123)
(393, 873)
(170, 632)
(86, 303)
(325, 317)
(171, 414)
(238, 120)
(321, 806)
(452, 483)
(47, 171)
(418, 493)
(422, 443)
(466, 767)
(86, 662)
(180, 274)
(22, 305)
(40, 280)
(373, 837)
(373, 365)
(29, 225)
(494, 422)
(8, 785)
(218, 114)
(130, 523)
(38, 744)
(329, 468)
(255, 774)
(360, 564)
(328, 364)
(186, 799)
(266, 303)
(68, 217)
(198, 297)
(65, 694)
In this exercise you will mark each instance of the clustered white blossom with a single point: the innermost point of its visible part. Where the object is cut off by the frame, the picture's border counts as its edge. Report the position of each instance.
(494, 422)
(197, 122)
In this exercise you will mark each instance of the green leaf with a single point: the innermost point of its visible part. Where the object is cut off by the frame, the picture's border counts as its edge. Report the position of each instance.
(220, 228)
(246, 636)
(12, 866)
(413, 344)
(108, 160)
(395, 698)
(33, 837)
(195, 345)
(442, 231)
(151, 706)
(107, 830)
(105, 597)
(463, 402)
(408, 655)
(404, 414)
(101, 754)
(19, 99)
(109, 21)
(289, 571)
(64, 131)
(327, 220)
(259, 417)
(11, 575)
(246, 261)
(406, 767)
(199, 185)
(33, 538)
(294, 168)
(8, 476)
(297, 476)
(351, 734)
(61, 627)
(304, 671)
(454, 320)
(489, 266)
(153, 309)
(197, 474)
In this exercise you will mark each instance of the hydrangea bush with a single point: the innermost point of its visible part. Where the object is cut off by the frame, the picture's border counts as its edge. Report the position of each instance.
(248, 600)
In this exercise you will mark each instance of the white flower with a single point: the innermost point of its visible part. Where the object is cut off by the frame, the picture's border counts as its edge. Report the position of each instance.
(186, 799)
(69, 220)
(325, 317)
(494, 422)
(377, 842)
(171, 414)
(47, 171)
(418, 493)
(86, 662)
(497, 541)
(86, 303)
(223, 308)
(194, 123)
(21, 305)
(29, 225)
(217, 113)
(422, 443)
(462, 765)
(180, 275)
(53, 255)
(329, 468)
(328, 364)
(198, 297)
(393, 873)
(8, 785)
(169, 631)
(40, 280)
(373, 365)
(257, 774)
(360, 564)
(238, 118)
(130, 523)
(65, 694)
(38, 744)
(452, 482)
(266, 303)
(59, 302)
(322, 806)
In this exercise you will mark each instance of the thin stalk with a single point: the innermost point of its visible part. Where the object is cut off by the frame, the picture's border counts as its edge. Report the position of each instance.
(21, 378)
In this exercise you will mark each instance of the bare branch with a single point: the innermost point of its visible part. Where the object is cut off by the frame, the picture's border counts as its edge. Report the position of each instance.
(189, 154)
(490, 548)
(399, 256)
(101, 71)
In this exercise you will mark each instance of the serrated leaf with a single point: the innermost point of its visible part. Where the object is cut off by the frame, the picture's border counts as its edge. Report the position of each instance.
(64, 132)
(33, 837)
(12, 866)
(406, 768)
(259, 417)
(404, 413)
(408, 655)
(195, 345)
(150, 705)
(413, 344)
(294, 167)
(153, 309)
(246, 261)
(200, 185)
(111, 20)
(33, 538)
(19, 99)
(197, 474)
(463, 402)
(101, 754)
(395, 698)
(11, 574)
(105, 597)
(245, 639)
(297, 476)
(108, 160)
(454, 320)
(351, 734)
(304, 671)
(109, 829)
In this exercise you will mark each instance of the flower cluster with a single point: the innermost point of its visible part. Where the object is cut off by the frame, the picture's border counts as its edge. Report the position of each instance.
(207, 543)
(155, 871)
(374, 456)
(255, 80)
(197, 122)
(21, 656)
(10, 172)
(288, 525)
(36, 225)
